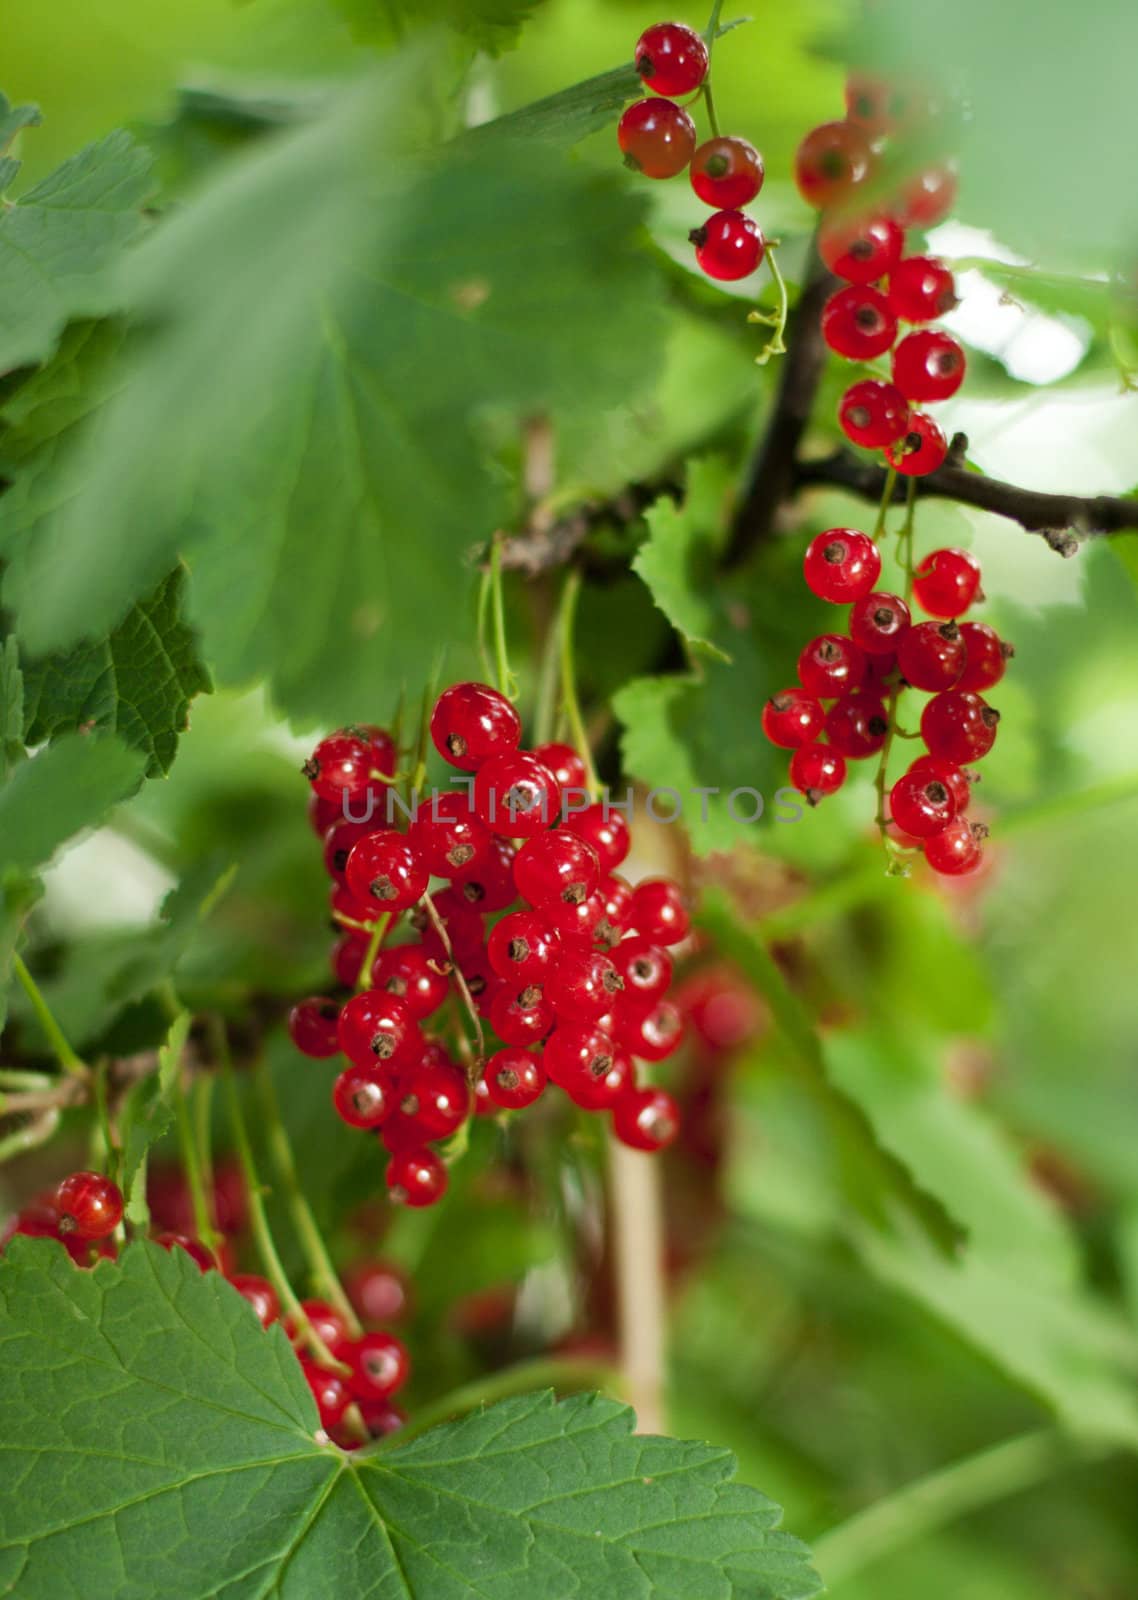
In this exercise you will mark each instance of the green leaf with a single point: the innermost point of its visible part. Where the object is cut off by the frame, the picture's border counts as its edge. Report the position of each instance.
(11, 707)
(677, 561)
(64, 789)
(568, 116)
(490, 25)
(60, 242)
(162, 1442)
(137, 682)
(147, 1110)
(18, 894)
(325, 492)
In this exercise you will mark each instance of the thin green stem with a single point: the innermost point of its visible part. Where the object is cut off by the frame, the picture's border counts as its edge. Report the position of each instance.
(14, 1078)
(545, 711)
(375, 943)
(61, 1048)
(930, 1503)
(201, 1095)
(437, 923)
(886, 501)
(191, 1163)
(709, 102)
(316, 1254)
(566, 618)
(480, 624)
(31, 1135)
(775, 345)
(566, 1376)
(103, 1134)
(712, 29)
(506, 681)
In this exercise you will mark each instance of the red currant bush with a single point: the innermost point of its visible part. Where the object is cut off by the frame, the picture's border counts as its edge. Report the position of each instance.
(656, 137)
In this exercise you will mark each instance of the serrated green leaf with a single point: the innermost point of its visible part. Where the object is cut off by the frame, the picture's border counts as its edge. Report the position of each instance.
(677, 561)
(68, 787)
(137, 682)
(325, 493)
(60, 242)
(147, 1110)
(11, 707)
(210, 1478)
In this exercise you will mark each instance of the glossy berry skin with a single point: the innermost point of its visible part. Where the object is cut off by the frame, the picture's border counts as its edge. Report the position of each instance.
(564, 763)
(931, 656)
(522, 948)
(516, 796)
(831, 665)
(584, 985)
(878, 622)
(406, 971)
(261, 1296)
(873, 413)
(830, 161)
(377, 1027)
(651, 1035)
(380, 1365)
(515, 1078)
(646, 1119)
(312, 1027)
(490, 885)
(947, 582)
(325, 1321)
(606, 829)
(856, 725)
(329, 1390)
(560, 867)
(339, 841)
(462, 922)
(576, 1051)
(920, 450)
(955, 850)
(345, 761)
(817, 770)
(471, 722)
(378, 1290)
(644, 969)
(954, 778)
(363, 1096)
(928, 365)
(437, 1095)
(792, 717)
(841, 565)
(447, 835)
(416, 1178)
(986, 656)
(727, 173)
(928, 198)
(615, 893)
(959, 725)
(580, 927)
(728, 246)
(656, 137)
(860, 251)
(602, 1093)
(88, 1206)
(857, 323)
(659, 911)
(921, 805)
(671, 58)
(385, 870)
(521, 1016)
(921, 289)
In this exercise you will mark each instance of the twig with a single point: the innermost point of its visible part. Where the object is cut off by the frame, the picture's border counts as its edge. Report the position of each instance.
(548, 542)
(637, 1233)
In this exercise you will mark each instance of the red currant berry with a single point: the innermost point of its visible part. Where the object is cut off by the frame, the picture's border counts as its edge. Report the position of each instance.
(986, 656)
(472, 722)
(521, 1016)
(651, 1035)
(338, 843)
(880, 670)
(659, 911)
(448, 836)
(921, 289)
(437, 1095)
(856, 725)
(616, 893)
(481, 980)
(564, 763)
(348, 959)
(728, 246)
(657, 138)
(522, 948)
(584, 985)
(921, 805)
(831, 665)
(416, 1178)
(606, 829)
(490, 887)
(602, 1093)
(380, 1365)
(582, 926)
(516, 796)
(817, 770)
(202, 1257)
(871, 101)
(514, 1078)
(920, 450)
(931, 656)
(956, 850)
(378, 1027)
(947, 582)
(326, 1323)
(386, 871)
(841, 565)
(928, 198)
(328, 1390)
(88, 1206)
(362, 1096)
(646, 1119)
(347, 762)
(830, 161)
(727, 173)
(954, 778)
(860, 251)
(959, 725)
(928, 365)
(857, 323)
(464, 926)
(312, 1027)
(261, 1296)
(792, 717)
(378, 1290)
(323, 813)
(645, 970)
(671, 58)
(557, 868)
(873, 414)
(722, 1010)
(407, 972)
(575, 1051)
(878, 622)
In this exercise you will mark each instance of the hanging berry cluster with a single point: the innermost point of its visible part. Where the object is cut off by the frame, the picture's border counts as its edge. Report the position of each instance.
(658, 138)
(559, 963)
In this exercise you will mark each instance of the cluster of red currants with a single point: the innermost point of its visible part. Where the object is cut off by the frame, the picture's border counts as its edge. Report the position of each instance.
(863, 241)
(534, 934)
(862, 672)
(658, 138)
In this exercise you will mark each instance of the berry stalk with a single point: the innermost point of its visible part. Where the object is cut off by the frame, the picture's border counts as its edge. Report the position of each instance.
(60, 1045)
(880, 782)
(572, 705)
